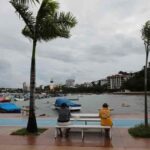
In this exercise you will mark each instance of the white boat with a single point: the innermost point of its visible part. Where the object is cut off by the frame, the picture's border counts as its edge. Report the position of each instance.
(18, 99)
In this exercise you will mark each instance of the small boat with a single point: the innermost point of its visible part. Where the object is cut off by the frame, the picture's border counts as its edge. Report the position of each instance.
(72, 105)
(19, 99)
(125, 105)
(3, 99)
(9, 108)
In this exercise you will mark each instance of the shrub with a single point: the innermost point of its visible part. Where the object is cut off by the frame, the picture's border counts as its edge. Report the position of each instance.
(140, 131)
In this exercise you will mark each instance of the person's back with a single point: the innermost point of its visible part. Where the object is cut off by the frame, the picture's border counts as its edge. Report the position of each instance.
(105, 116)
(64, 118)
(64, 115)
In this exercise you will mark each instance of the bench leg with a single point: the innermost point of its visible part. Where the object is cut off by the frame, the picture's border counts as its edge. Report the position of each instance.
(101, 131)
(110, 136)
(56, 133)
(82, 134)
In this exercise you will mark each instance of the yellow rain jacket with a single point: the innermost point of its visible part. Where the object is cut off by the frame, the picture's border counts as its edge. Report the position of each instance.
(104, 114)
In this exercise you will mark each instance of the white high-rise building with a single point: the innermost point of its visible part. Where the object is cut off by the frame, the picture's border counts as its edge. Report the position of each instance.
(25, 88)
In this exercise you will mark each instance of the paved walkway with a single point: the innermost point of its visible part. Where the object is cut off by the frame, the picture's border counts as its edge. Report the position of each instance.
(121, 140)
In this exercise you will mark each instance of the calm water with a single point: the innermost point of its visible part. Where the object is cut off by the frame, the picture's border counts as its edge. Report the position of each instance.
(91, 104)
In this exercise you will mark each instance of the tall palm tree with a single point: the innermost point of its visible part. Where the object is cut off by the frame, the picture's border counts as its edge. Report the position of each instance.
(146, 38)
(47, 25)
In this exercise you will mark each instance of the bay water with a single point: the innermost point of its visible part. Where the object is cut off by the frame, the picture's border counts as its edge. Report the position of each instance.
(121, 104)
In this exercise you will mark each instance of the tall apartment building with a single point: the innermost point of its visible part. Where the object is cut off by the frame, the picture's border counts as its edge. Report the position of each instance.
(116, 81)
(25, 87)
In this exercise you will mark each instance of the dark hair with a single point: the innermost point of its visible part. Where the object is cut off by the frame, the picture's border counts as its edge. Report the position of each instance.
(63, 105)
(105, 105)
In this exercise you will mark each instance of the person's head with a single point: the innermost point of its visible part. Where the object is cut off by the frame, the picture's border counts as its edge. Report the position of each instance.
(105, 105)
(64, 105)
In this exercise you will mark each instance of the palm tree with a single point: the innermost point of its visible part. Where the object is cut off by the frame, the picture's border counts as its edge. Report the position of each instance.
(146, 38)
(47, 25)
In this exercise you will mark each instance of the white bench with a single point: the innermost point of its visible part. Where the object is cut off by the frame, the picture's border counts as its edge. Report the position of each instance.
(83, 127)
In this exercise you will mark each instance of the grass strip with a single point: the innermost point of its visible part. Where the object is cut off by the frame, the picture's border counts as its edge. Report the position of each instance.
(24, 132)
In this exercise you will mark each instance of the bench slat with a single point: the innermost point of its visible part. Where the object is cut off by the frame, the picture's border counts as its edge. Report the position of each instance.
(83, 126)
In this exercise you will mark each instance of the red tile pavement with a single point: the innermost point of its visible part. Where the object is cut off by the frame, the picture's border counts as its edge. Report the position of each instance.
(121, 140)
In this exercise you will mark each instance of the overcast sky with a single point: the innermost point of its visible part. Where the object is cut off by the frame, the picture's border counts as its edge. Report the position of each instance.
(107, 39)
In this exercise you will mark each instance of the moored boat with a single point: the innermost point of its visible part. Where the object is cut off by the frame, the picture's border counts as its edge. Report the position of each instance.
(9, 108)
(3, 99)
(72, 105)
(19, 99)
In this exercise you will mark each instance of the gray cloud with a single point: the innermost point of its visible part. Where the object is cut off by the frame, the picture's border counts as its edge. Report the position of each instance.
(106, 39)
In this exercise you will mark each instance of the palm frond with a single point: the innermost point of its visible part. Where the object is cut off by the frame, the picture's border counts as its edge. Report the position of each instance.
(47, 8)
(146, 33)
(67, 19)
(61, 23)
(27, 33)
(26, 1)
(44, 20)
(55, 25)
(26, 15)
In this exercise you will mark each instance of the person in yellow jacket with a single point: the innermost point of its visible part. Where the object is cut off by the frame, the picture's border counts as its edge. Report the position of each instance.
(105, 117)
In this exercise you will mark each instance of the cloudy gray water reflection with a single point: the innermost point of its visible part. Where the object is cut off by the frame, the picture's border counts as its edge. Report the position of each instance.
(91, 104)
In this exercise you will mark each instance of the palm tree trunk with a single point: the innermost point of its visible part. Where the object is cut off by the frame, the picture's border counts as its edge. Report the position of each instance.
(32, 124)
(145, 86)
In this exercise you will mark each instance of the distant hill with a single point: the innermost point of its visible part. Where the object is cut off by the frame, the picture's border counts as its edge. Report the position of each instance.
(136, 83)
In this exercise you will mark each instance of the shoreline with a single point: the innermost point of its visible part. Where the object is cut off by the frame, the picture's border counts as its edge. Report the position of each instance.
(130, 93)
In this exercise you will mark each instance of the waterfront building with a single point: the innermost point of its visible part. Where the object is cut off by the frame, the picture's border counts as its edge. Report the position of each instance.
(116, 81)
(103, 82)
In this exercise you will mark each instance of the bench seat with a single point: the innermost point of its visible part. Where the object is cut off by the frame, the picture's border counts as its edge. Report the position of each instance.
(82, 127)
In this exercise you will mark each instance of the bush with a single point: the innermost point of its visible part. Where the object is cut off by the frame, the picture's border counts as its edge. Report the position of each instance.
(140, 131)
(23, 131)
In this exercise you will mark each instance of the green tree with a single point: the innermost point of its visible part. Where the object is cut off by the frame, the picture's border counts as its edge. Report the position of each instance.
(146, 39)
(47, 25)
